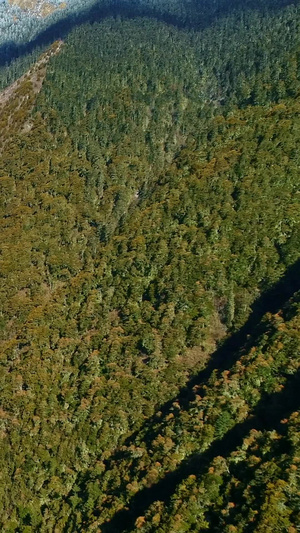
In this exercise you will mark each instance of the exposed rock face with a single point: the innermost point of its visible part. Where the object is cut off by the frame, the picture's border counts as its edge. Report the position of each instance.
(17, 100)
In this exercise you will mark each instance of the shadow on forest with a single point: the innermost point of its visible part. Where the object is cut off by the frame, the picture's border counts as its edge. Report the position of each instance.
(192, 19)
(267, 415)
(230, 350)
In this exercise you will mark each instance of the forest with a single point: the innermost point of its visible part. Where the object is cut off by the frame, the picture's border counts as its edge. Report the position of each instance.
(149, 263)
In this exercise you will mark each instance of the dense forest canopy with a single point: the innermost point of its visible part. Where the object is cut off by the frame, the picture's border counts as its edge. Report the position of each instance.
(28, 25)
(149, 262)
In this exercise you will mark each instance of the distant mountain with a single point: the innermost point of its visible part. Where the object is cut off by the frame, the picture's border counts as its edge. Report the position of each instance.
(21, 20)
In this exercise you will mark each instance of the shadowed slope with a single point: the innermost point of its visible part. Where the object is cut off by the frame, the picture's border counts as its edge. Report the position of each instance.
(228, 353)
(267, 415)
(264, 416)
(195, 18)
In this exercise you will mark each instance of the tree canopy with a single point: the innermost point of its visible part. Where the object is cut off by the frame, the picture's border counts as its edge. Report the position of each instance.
(149, 276)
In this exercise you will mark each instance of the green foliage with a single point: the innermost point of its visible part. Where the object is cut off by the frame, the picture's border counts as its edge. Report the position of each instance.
(149, 187)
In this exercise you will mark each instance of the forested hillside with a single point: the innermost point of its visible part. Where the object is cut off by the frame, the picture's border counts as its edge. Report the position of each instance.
(149, 268)
(26, 25)
(223, 456)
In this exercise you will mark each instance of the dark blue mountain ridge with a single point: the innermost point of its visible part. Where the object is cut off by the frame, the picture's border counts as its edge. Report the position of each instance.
(188, 14)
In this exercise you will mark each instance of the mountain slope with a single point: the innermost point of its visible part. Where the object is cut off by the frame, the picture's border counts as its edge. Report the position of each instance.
(149, 200)
(225, 456)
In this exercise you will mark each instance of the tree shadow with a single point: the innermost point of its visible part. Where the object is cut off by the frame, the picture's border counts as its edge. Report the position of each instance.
(271, 409)
(192, 17)
(268, 413)
(271, 301)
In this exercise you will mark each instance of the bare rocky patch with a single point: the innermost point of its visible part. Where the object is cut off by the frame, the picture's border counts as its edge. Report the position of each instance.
(17, 100)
